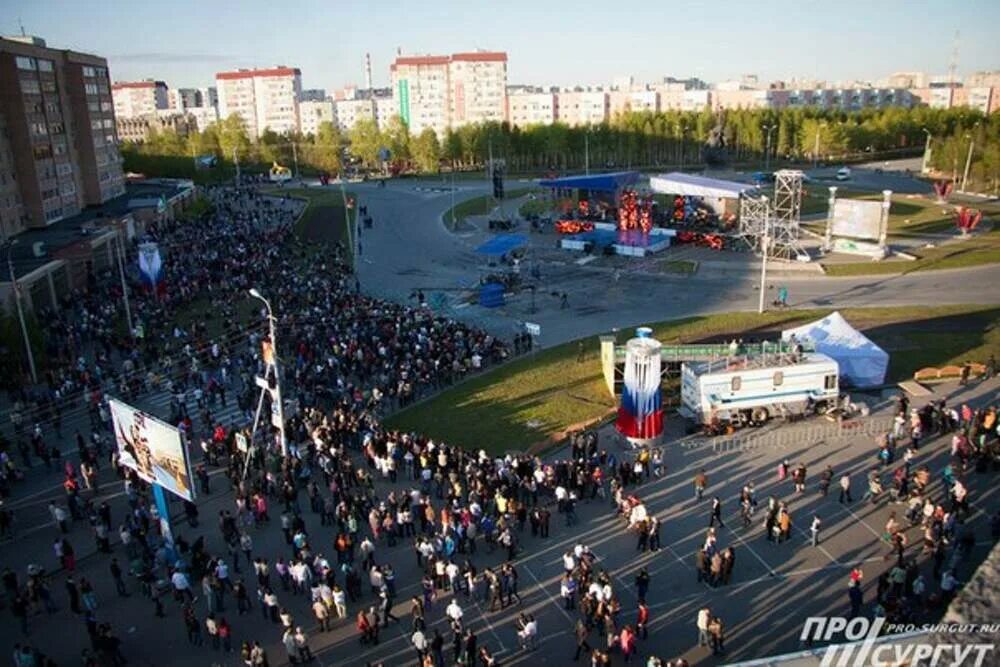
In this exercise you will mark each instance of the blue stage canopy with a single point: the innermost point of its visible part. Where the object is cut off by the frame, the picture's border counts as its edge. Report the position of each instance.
(597, 182)
(501, 244)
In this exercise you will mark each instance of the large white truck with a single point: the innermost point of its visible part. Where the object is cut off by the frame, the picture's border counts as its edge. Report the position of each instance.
(743, 391)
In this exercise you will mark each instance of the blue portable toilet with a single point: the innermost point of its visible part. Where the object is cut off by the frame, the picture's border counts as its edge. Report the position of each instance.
(491, 295)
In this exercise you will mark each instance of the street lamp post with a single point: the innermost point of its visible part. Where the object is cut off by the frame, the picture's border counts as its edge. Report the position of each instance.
(767, 151)
(816, 146)
(766, 247)
(968, 159)
(924, 166)
(20, 311)
(586, 151)
(276, 396)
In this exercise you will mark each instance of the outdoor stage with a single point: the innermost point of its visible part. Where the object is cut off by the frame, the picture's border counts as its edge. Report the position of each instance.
(631, 243)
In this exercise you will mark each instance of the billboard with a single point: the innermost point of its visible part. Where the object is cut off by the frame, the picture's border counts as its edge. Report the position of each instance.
(152, 448)
(857, 219)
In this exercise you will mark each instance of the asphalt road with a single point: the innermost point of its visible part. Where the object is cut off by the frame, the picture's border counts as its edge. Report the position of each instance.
(409, 248)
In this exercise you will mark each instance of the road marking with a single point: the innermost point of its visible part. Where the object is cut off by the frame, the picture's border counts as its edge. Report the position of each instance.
(547, 594)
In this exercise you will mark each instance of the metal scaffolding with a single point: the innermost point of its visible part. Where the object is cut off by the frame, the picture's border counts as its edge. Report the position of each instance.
(778, 220)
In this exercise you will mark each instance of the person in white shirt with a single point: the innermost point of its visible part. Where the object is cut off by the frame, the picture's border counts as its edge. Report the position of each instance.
(569, 563)
(454, 612)
(814, 530)
(704, 615)
(182, 585)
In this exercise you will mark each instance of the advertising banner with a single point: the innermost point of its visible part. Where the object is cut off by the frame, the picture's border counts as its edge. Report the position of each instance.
(857, 219)
(153, 449)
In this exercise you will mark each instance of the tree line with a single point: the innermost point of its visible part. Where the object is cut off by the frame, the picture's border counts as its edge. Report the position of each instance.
(629, 140)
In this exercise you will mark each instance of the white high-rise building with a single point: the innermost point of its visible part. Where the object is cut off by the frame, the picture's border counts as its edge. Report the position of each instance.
(449, 91)
(263, 98)
(314, 112)
(349, 112)
(385, 110)
(532, 108)
(139, 98)
(584, 107)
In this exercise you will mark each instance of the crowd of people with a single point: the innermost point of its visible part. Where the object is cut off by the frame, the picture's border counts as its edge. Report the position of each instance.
(350, 495)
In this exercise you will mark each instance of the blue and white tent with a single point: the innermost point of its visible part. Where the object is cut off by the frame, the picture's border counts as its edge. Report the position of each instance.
(862, 362)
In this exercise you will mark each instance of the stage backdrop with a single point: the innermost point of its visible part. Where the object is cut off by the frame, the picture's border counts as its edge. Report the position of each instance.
(856, 219)
(152, 448)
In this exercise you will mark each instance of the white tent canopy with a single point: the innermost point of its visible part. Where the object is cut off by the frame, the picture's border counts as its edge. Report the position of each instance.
(688, 185)
(862, 362)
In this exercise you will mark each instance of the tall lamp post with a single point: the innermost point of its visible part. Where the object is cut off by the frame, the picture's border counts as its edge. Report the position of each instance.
(816, 146)
(924, 165)
(8, 245)
(276, 396)
(968, 159)
(767, 151)
(765, 249)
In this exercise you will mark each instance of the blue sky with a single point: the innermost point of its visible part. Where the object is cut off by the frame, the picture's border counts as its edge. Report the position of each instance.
(185, 42)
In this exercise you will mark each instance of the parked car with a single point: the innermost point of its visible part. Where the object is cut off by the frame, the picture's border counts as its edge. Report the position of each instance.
(844, 173)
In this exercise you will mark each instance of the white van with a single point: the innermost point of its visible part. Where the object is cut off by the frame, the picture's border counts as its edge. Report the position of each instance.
(844, 173)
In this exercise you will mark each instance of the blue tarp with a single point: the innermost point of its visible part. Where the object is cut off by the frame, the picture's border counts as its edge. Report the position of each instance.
(597, 182)
(501, 244)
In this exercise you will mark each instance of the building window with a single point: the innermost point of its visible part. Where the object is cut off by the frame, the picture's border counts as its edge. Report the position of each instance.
(59, 149)
(779, 378)
(736, 384)
(830, 382)
(64, 169)
(45, 66)
(42, 152)
(30, 87)
(39, 129)
(53, 214)
(25, 63)
(90, 88)
(88, 72)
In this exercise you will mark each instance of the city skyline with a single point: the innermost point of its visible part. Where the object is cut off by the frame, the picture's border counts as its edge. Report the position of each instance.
(867, 42)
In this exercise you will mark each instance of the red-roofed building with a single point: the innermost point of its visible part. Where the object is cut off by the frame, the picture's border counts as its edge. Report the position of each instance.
(263, 98)
(139, 98)
(442, 92)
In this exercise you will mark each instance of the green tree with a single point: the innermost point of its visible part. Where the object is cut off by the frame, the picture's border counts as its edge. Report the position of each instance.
(366, 141)
(452, 146)
(233, 138)
(396, 138)
(427, 151)
(325, 152)
(269, 148)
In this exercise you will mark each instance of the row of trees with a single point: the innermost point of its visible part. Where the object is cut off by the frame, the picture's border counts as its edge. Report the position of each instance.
(632, 139)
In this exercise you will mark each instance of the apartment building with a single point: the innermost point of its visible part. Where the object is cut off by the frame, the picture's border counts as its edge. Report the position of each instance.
(203, 116)
(138, 98)
(263, 98)
(180, 99)
(676, 98)
(583, 107)
(208, 97)
(138, 129)
(622, 101)
(526, 108)
(385, 109)
(60, 140)
(449, 91)
(314, 112)
(349, 112)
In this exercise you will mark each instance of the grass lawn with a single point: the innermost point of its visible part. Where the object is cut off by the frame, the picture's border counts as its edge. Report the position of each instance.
(535, 399)
(977, 251)
(685, 266)
(323, 221)
(479, 205)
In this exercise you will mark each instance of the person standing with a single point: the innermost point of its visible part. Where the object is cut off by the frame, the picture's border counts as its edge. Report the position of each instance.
(814, 530)
(700, 482)
(116, 574)
(824, 480)
(716, 633)
(716, 513)
(419, 642)
(845, 489)
(856, 597)
(642, 620)
(582, 633)
(704, 616)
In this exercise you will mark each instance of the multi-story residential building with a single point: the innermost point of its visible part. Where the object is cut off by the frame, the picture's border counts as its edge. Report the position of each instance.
(60, 141)
(983, 80)
(583, 107)
(477, 86)
(138, 129)
(385, 109)
(421, 88)
(263, 98)
(526, 108)
(314, 112)
(907, 80)
(623, 101)
(449, 91)
(684, 99)
(349, 112)
(138, 98)
(313, 95)
(208, 97)
(12, 217)
(183, 98)
(202, 117)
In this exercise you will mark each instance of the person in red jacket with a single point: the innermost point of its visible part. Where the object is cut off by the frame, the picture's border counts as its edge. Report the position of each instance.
(642, 620)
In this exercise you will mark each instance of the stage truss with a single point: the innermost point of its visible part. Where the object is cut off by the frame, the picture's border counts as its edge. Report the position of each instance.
(778, 221)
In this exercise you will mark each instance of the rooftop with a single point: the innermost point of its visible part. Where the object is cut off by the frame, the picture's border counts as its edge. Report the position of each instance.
(61, 236)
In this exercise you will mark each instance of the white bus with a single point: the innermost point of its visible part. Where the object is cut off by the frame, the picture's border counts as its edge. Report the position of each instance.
(749, 391)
